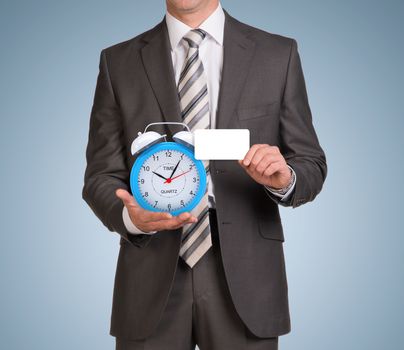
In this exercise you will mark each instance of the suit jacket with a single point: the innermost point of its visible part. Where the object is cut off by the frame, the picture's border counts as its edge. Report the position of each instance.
(263, 90)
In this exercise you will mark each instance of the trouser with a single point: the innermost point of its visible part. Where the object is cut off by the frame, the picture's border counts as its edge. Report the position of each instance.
(200, 311)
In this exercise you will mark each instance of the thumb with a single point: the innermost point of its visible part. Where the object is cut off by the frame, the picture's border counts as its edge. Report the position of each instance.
(126, 197)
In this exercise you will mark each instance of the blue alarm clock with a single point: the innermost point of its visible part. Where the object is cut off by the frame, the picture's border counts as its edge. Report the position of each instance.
(165, 176)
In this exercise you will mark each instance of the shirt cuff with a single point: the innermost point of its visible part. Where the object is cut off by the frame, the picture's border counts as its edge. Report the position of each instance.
(284, 193)
(130, 226)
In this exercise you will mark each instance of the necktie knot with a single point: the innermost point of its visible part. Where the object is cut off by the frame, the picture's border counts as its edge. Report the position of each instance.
(194, 37)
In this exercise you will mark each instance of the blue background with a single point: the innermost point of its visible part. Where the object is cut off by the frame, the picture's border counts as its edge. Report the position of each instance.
(344, 251)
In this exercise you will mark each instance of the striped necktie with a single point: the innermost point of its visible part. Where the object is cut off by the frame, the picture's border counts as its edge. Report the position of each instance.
(194, 101)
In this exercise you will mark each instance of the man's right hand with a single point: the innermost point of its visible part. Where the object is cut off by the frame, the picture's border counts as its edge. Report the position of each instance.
(148, 221)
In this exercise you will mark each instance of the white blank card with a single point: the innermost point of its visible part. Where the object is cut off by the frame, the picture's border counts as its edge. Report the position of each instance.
(221, 144)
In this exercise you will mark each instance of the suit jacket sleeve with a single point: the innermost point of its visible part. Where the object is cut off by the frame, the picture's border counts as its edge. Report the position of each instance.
(298, 140)
(106, 169)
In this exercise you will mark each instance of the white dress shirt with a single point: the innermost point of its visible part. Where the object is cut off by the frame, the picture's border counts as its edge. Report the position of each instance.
(211, 55)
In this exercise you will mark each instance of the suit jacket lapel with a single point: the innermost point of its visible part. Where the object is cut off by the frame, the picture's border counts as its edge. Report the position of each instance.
(156, 55)
(237, 56)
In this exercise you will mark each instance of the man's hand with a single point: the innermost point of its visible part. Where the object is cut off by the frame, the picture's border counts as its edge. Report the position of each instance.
(148, 221)
(266, 165)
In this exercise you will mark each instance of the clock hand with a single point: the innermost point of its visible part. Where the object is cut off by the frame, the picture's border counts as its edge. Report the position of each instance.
(172, 178)
(175, 168)
(159, 175)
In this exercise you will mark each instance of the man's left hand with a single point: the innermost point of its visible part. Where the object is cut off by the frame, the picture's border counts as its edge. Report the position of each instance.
(266, 165)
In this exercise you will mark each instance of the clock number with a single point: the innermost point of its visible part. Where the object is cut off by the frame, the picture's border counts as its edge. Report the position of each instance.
(155, 158)
(146, 168)
(142, 181)
(182, 156)
(169, 206)
(191, 166)
(146, 194)
(155, 203)
(194, 179)
(168, 153)
(182, 203)
(192, 193)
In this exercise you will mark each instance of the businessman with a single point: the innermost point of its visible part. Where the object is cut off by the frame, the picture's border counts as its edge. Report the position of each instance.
(214, 277)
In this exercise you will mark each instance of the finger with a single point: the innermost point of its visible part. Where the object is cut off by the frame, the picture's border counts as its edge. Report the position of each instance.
(275, 149)
(126, 198)
(264, 151)
(147, 216)
(185, 216)
(272, 169)
(183, 223)
(258, 156)
(249, 155)
(266, 160)
(183, 219)
(150, 217)
(170, 224)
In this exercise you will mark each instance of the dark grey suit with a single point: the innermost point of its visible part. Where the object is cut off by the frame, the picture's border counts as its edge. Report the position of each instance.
(262, 89)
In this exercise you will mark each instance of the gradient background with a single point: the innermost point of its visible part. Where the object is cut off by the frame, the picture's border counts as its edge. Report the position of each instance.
(344, 251)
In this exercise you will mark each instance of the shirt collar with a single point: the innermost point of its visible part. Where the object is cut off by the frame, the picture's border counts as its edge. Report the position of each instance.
(213, 25)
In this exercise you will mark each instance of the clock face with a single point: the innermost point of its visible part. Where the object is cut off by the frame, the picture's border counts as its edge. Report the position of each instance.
(168, 178)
